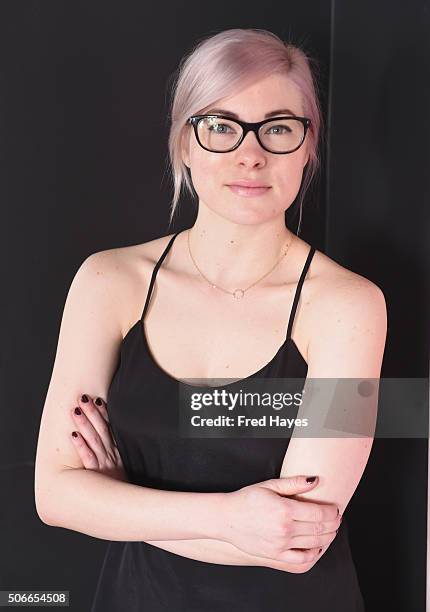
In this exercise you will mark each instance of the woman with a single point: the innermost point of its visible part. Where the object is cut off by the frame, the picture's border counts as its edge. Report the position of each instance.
(214, 523)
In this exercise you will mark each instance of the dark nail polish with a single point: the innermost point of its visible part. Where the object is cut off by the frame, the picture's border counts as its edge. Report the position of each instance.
(74, 434)
(99, 401)
(84, 398)
(78, 411)
(311, 479)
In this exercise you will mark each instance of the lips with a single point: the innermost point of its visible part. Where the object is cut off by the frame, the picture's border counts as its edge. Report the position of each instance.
(248, 183)
(248, 191)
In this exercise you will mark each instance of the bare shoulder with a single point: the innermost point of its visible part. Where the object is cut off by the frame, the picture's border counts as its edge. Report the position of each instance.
(126, 272)
(342, 299)
(333, 281)
(130, 259)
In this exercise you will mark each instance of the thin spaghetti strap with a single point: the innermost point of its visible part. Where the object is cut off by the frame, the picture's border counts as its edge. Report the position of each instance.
(154, 274)
(298, 290)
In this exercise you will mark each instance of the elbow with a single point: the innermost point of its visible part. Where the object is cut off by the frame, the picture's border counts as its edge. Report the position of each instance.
(303, 568)
(44, 512)
(44, 495)
(51, 496)
(44, 517)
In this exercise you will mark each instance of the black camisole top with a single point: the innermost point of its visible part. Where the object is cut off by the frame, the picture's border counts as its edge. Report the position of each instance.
(140, 577)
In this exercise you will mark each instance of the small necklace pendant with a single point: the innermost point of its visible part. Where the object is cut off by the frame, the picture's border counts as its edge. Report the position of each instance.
(238, 294)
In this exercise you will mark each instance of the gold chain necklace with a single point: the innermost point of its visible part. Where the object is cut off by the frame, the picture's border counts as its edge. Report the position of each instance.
(237, 293)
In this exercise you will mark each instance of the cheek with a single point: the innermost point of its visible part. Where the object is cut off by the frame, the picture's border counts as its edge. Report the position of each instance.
(208, 174)
(287, 181)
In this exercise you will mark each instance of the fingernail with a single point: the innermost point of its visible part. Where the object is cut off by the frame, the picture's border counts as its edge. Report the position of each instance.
(84, 398)
(99, 401)
(78, 411)
(311, 479)
(74, 434)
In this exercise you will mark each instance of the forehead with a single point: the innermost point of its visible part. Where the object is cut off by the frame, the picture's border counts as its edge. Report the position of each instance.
(263, 96)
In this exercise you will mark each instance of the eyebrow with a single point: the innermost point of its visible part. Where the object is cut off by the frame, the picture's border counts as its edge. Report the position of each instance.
(274, 113)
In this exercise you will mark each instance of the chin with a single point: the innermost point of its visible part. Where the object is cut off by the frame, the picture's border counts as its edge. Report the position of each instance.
(245, 215)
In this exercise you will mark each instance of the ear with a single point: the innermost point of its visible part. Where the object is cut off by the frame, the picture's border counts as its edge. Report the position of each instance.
(184, 148)
(185, 158)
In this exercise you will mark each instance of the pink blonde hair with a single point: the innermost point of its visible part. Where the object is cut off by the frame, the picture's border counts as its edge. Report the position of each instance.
(221, 65)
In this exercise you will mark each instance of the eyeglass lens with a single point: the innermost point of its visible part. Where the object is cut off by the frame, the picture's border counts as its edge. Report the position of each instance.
(279, 136)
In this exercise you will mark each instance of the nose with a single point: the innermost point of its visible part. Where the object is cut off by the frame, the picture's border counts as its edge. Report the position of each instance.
(250, 152)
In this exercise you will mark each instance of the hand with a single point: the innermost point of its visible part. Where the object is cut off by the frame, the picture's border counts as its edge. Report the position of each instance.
(94, 440)
(263, 521)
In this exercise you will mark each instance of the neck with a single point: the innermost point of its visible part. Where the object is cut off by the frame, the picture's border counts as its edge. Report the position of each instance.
(234, 255)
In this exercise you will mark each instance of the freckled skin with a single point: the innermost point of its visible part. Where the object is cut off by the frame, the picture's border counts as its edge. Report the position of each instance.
(212, 172)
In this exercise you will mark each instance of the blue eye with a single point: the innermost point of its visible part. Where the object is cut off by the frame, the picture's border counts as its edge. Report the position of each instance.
(215, 128)
(283, 127)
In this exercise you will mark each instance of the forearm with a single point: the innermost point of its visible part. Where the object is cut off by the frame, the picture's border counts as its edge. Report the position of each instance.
(92, 503)
(224, 553)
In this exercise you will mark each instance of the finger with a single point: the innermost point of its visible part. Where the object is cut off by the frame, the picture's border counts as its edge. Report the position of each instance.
(102, 408)
(99, 424)
(90, 434)
(299, 528)
(87, 456)
(310, 511)
(101, 405)
(298, 556)
(313, 541)
(118, 458)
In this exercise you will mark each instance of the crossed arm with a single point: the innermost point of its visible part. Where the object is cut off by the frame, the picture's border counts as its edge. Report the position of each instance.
(354, 332)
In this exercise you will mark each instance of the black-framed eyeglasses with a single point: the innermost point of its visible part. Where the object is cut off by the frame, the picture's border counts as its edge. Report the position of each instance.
(279, 135)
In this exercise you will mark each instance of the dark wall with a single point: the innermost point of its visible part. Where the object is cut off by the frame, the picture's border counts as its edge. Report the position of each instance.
(83, 103)
(377, 224)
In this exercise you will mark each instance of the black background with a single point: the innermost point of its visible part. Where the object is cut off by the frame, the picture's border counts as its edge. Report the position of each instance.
(84, 90)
